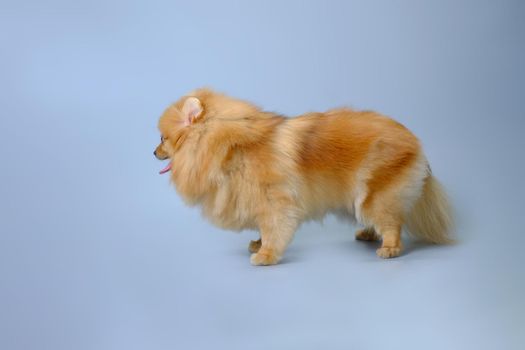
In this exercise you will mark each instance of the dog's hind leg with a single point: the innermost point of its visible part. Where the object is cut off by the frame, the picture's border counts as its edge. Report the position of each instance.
(387, 220)
(391, 245)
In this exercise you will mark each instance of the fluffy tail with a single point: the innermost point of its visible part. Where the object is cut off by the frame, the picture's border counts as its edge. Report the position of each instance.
(431, 217)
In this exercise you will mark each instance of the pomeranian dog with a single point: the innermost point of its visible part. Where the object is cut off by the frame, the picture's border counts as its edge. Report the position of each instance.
(251, 169)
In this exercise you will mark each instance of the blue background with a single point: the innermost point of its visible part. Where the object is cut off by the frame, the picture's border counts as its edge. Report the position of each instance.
(97, 251)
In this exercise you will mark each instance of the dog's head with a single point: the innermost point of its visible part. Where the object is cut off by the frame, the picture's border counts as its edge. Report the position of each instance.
(202, 112)
(174, 125)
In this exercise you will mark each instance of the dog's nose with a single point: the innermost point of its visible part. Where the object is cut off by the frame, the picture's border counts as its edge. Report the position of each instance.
(155, 153)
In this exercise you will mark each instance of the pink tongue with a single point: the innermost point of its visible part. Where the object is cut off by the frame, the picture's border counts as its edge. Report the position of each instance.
(166, 169)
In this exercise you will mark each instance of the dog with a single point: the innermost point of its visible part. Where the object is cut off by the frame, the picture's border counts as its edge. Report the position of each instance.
(252, 169)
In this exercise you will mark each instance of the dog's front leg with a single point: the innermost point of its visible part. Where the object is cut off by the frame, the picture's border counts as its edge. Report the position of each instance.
(276, 233)
(254, 246)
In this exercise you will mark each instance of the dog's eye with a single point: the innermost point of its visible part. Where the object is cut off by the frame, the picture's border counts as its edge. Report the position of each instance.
(162, 139)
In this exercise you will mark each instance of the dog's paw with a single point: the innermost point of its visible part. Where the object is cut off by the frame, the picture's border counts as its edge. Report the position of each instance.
(264, 257)
(386, 252)
(254, 246)
(367, 235)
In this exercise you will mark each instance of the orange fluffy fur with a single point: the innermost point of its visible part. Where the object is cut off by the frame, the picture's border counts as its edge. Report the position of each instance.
(251, 169)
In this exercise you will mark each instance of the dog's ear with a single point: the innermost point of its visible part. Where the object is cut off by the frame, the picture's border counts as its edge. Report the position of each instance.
(192, 110)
